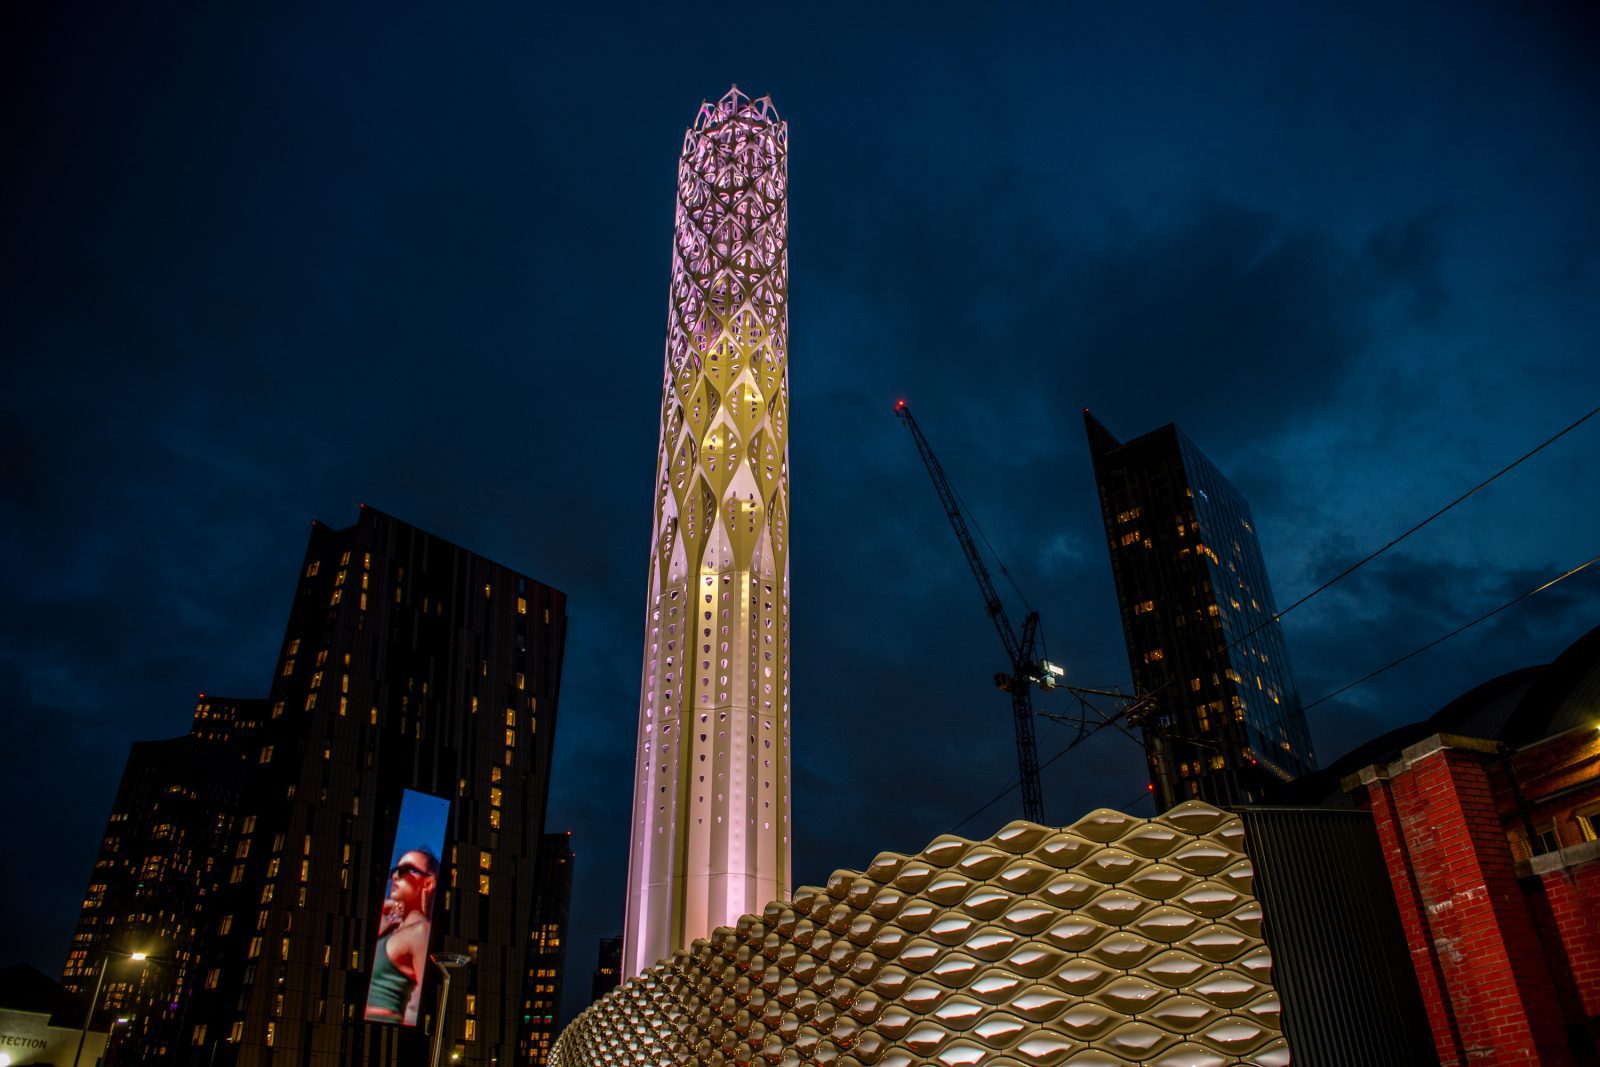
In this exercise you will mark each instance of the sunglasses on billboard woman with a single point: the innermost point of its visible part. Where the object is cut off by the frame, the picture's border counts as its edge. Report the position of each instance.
(408, 870)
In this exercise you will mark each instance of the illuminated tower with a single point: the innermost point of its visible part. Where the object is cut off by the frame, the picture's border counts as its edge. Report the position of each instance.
(711, 797)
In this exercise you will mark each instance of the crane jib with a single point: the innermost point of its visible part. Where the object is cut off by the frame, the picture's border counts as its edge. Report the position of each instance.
(1025, 668)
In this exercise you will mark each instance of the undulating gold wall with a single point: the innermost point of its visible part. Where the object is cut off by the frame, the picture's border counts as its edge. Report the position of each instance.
(1109, 942)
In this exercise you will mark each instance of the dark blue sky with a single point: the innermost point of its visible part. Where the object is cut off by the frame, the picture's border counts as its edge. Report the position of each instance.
(262, 267)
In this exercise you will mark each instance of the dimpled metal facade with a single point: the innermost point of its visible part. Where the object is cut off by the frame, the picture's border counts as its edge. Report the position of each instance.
(1109, 942)
(710, 832)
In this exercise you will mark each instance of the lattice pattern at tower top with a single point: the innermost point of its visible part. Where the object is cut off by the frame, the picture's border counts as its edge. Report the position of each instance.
(710, 836)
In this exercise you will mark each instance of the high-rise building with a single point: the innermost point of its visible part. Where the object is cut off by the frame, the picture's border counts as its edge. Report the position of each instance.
(157, 872)
(408, 664)
(547, 951)
(607, 969)
(710, 833)
(1224, 723)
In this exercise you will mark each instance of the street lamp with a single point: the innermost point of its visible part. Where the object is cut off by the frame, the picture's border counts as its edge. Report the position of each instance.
(88, 1019)
(446, 962)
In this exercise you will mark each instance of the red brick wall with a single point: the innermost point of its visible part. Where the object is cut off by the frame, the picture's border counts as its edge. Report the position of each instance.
(1573, 895)
(1413, 917)
(1485, 980)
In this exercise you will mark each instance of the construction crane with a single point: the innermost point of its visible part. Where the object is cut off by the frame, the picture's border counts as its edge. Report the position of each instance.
(1027, 669)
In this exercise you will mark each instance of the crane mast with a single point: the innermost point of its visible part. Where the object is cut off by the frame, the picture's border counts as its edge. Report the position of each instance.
(1020, 650)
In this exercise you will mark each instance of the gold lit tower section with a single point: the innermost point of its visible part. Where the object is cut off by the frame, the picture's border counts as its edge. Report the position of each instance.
(711, 796)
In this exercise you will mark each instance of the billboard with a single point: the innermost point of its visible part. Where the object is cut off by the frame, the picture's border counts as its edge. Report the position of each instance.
(400, 956)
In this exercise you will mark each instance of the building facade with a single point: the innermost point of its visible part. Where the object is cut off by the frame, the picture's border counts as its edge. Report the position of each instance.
(607, 969)
(1223, 722)
(1489, 814)
(547, 949)
(408, 663)
(157, 873)
(710, 831)
(40, 1023)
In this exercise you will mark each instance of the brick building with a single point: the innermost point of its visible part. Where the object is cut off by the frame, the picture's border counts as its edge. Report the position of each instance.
(1488, 814)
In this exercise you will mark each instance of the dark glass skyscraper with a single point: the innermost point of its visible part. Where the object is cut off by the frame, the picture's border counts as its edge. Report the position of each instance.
(1225, 722)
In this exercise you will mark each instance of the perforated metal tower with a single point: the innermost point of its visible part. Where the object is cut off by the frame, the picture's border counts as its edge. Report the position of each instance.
(710, 833)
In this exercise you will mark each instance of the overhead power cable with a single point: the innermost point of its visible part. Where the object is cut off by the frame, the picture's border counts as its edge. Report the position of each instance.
(1358, 564)
(1110, 721)
(1351, 569)
(1459, 629)
(1362, 562)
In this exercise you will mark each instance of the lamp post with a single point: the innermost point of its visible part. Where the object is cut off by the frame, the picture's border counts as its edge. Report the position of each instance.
(446, 962)
(88, 1019)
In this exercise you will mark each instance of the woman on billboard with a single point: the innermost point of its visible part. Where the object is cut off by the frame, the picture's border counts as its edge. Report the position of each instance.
(401, 956)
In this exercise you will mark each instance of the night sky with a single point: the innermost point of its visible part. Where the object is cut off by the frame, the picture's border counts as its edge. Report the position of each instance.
(262, 267)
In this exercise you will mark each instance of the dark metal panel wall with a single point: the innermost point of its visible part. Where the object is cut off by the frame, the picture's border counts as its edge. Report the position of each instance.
(1339, 956)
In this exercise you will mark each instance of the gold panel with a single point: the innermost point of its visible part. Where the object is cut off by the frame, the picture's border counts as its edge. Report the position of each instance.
(1116, 941)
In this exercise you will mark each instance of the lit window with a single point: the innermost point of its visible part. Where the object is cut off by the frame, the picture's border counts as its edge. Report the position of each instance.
(483, 884)
(522, 605)
(266, 754)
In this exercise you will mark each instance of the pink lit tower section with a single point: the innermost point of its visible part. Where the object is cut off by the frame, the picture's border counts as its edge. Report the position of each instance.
(711, 830)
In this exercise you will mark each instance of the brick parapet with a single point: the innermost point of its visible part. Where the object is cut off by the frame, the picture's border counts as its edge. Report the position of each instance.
(1572, 892)
(1478, 957)
(1378, 796)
